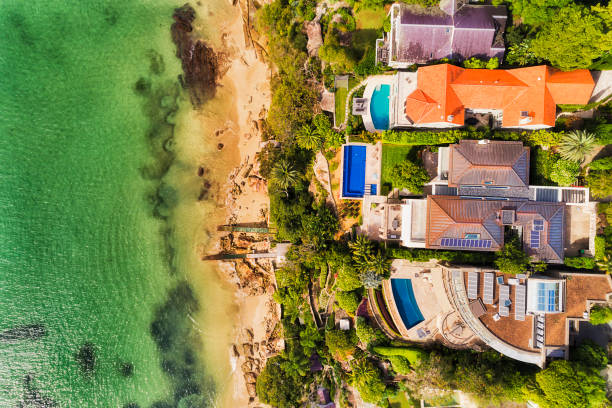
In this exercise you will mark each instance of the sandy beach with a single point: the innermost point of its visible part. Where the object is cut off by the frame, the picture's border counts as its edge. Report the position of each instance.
(230, 191)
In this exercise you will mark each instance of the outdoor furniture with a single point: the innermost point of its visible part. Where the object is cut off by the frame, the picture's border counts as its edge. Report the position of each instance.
(472, 289)
(504, 297)
(520, 296)
(489, 288)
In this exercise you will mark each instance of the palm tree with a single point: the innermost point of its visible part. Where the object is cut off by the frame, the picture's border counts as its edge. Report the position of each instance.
(380, 264)
(576, 145)
(309, 138)
(362, 372)
(605, 264)
(361, 248)
(284, 175)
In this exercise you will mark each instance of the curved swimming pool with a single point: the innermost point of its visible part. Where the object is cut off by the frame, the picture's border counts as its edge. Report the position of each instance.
(379, 107)
(403, 294)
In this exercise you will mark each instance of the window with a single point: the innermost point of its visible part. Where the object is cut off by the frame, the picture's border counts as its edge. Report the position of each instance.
(472, 236)
(524, 114)
(548, 297)
(488, 182)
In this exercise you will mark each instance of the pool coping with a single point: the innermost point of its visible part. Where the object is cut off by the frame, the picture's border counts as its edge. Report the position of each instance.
(371, 84)
(396, 316)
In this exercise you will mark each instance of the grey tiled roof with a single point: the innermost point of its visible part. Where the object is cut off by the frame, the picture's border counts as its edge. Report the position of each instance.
(474, 30)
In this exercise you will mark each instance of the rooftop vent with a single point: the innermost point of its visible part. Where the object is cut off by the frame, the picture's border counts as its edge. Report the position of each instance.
(508, 217)
(450, 118)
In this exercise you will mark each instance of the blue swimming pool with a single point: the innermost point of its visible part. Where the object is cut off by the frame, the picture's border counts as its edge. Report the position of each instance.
(379, 107)
(353, 176)
(406, 303)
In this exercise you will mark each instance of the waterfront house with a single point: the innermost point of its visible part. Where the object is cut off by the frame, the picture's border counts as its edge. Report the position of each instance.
(447, 96)
(481, 190)
(455, 30)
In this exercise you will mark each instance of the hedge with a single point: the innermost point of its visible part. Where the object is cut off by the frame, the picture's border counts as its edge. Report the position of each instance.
(424, 255)
(412, 354)
(431, 138)
(580, 262)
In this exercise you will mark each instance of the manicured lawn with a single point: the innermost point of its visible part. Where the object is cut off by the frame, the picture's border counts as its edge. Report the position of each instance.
(392, 155)
(340, 100)
(366, 18)
(412, 354)
(369, 28)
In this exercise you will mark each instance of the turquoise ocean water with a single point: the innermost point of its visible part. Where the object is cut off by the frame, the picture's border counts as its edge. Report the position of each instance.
(87, 92)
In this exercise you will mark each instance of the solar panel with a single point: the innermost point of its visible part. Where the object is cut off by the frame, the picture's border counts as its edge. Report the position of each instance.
(519, 299)
(504, 295)
(465, 243)
(472, 285)
(538, 228)
(535, 239)
(489, 288)
(538, 222)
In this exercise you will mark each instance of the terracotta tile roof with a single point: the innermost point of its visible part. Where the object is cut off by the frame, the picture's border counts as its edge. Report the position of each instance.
(526, 96)
(579, 289)
(514, 332)
(454, 217)
(502, 163)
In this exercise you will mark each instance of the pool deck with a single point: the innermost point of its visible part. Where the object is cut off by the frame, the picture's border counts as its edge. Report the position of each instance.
(371, 84)
(430, 295)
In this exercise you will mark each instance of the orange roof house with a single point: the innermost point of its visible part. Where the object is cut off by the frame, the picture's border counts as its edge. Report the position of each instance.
(522, 97)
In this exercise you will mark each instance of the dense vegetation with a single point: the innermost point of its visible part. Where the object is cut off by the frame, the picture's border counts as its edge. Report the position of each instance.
(326, 271)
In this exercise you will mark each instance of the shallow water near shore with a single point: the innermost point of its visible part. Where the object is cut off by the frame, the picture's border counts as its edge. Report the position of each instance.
(100, 224)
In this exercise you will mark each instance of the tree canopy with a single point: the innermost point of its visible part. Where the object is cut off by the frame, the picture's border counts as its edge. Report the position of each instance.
(341, 343)
(574, 36)
(275, 387)
(566, 384)
(600, 314)
(409, 175)
(511, 258)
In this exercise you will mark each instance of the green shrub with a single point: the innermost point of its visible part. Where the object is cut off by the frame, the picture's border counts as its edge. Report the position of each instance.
(409, 175)
(565, 172)
(600, 247)
(474, 62)
(431, 138)
(412, 354)
(341, 343)
(400, 364)
(349, 301)
(600, 183)
(601, 164)
(425, 255)
(600, 314)
(579, 262)
(603, 134)
(366, 333)
(511, 258)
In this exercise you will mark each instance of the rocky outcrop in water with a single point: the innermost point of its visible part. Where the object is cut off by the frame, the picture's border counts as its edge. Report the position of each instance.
(27, 332)
(200, 62)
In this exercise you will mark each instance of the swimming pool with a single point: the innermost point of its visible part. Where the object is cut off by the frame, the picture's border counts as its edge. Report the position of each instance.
(353, 176)
(379, 107)
(406, 303)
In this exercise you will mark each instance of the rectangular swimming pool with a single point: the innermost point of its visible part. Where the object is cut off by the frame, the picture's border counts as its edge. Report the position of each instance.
(403, 295)
(353, 174)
